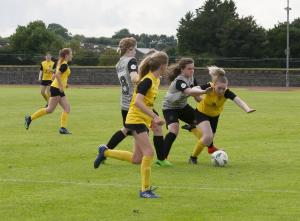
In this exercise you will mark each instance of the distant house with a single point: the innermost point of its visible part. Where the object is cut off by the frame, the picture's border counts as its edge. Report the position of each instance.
(90, 46)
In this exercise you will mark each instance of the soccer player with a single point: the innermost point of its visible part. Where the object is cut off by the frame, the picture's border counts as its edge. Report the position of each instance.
(139, 119)
(209, 109)
(57, 92)
(46, 75)
(127, 69)
(175, 105)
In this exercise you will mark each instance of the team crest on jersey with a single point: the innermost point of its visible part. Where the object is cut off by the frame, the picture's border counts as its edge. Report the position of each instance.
(183, 85)
(133, 67)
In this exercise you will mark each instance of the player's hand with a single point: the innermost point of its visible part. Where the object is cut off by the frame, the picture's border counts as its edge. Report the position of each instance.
(208, 90)
(251, 111)
(157, 120)
(61, 89)
(67, 86)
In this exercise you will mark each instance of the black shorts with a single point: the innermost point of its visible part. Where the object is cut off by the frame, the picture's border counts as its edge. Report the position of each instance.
(200, 117)
(46, 83)
(56, 92)
(186, 114)
(138, 128)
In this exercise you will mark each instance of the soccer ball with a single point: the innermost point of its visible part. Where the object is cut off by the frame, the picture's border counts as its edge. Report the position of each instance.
(219, 158)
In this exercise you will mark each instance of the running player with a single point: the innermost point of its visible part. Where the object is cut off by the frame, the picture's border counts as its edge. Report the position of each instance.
(46, 76)
(209, 109)
(57, 92)
(175, 105)
(139, 119)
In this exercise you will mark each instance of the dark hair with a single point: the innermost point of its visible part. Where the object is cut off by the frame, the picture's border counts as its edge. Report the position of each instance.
(175, 69)
(152, 63)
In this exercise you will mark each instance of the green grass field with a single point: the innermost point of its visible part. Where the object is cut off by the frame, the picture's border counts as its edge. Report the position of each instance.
(47, 176)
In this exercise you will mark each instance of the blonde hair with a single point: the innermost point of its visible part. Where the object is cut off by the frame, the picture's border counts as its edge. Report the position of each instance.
(175, 69)
(62, 55)
(125, 44)
(152, 63)
(216, 71)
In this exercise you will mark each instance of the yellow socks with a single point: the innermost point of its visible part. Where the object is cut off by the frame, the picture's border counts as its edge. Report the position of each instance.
(119, 155)
(64, 119)
(198, 148)
(41, 112)
(197, 132)
(146, 172)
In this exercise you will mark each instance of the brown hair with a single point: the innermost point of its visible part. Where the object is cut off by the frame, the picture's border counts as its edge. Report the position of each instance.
(125, 44)
(62, 55)
(152, 63)
(175, 69)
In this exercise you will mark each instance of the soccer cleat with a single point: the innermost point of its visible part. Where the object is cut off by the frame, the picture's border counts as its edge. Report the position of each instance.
(27, 122)
(188, 127)
(212, 149)
(100, 157)
(163, 163)
(63, 130)
(149, 193)
(193, 160)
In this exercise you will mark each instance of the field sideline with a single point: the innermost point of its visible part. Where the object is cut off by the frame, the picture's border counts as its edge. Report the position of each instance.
(46, 176)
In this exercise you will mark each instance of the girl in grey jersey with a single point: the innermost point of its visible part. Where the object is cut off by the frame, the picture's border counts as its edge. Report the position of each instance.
(175, 105)
(127, 69)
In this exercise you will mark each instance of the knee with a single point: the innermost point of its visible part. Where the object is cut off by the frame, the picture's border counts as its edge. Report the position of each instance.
(174, 129)
(68, 110)
(136, 161)
(207, 139)
(49, 110)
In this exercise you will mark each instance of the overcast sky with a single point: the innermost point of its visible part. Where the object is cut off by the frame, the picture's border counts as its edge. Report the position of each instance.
(105, 17)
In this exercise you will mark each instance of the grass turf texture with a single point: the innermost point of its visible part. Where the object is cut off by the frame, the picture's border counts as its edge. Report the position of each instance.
(47, 176)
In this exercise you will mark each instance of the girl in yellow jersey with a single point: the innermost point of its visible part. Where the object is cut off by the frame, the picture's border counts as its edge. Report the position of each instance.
(57, 92)
(209, 109)
(139, 119)
(46, 76)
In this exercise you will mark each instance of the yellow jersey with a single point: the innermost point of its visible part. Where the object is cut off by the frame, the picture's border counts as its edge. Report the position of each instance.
(65, 73)
(149, 85)
(47, 70)
(212, 104)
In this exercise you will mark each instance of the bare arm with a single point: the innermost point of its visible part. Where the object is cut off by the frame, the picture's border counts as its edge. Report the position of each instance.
(242, 104)
(40, 75)
(134, 77)
(139, 102)
(196, 91)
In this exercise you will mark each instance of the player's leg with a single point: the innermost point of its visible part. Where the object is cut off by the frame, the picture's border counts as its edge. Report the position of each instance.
(211, 148)
(142, 139)
(63, 102)
(120, 135)
(44, 92)
(53, 101)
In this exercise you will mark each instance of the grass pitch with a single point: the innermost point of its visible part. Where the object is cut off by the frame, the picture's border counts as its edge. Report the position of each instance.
(47, 176)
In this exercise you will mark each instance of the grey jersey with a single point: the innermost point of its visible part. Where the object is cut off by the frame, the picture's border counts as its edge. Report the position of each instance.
(175, 97)
(124, 67)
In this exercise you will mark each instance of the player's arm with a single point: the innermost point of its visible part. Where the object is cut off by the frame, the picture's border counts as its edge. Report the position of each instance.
(58, 75)
(239, 102)
(194, 91)
(142, 90)
(41, 73)
(133, 70)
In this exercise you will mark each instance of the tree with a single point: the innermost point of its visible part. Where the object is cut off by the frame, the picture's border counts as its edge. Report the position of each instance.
(59, 30)
(35, 39)
(123, 33)
(86, 57)
(215, 30)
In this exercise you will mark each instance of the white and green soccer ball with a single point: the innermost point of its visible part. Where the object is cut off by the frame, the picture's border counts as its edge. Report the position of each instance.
(219, 158)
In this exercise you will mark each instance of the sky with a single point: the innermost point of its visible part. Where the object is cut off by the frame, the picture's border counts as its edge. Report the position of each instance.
(95, 18)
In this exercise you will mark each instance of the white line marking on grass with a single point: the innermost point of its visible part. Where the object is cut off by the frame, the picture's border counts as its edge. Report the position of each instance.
(220, 189)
